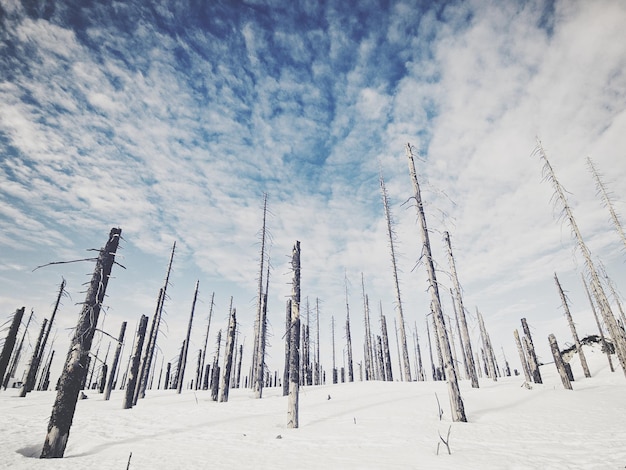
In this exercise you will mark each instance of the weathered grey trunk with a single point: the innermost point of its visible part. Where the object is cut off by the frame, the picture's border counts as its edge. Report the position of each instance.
(287, 349)
(116, 359)
(215, 375)
(181, 372)
(45, 380)
(294, 329)
(9, 342)
(15, 359)
(572, 327)
(468, 353)
(318, 371)
(405, 350)
(491, 366)
(332, 326)
(133, 373)
(228, 356)
(558, 362)
(386, 352)
(441, 371)
(254, 379)
(348, 337)
(74, 371)
(617, 334)
(522, 357)
(430, 352)
(206, 342)
(144, 366)
(533, 363)
(454, 393)
(238, 380)
(369, 356)
(458, 331)
(605, 346)
(260, 361)
(419, 366)
(33, 366)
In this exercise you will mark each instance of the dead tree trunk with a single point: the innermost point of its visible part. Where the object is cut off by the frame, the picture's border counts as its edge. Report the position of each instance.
(395, 327)
(287, 349)
(228, 355)
(332, 326)
(31, 375)
(421, 376)
(260, 361)
(116, 358)
(9, 342)
(617, 334)
(45, 380)
(605, 346)
(533, 363)
(18, 351)
(454, 393)
(254, 380)
(348, 337)
(206, 342)
(369, 359)
(572, 327)
(464, 335)
(491, 366)
(386, 352)
(238, 381)
(390, 234)
(522, 357)
(294, 329)
(318, 375)
(74, 371)
(430, 351)
(558, 362)
(133, 373)
(181, 372)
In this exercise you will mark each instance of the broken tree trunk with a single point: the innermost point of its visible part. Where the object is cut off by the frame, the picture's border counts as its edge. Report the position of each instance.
(206, 342)
(9, 342)
(533, 363)
(75, 369)
(228, 356)
(454, 393)
(183, 363)
(572, 327)
(522, 357)
(116, 359)
(491, 366)
(29, 383)
(468, 353)
(17, 354)
(558, 362)
(386, 352)
(133, 372)
(294, 329)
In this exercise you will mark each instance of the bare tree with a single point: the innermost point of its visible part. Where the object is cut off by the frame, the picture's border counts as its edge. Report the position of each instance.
(183, 362)
(206, 342)
(348, 337)
(605, 346)
(9, 342)
(558, 362)
(533, 362)
(131, 386)
(31, 375)
(294, 329)
(15, 359)
(228, 355)
(258, 324)
(456, 401)
(522, 357)
(287, 349)
(75, 370)
(116, 358)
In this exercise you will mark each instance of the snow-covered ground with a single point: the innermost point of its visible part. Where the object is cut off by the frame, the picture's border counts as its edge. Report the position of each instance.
(363, 425)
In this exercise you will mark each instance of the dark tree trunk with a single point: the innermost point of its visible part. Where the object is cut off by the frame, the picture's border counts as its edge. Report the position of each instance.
(228, 355)
(9, 342)
(74, 371)
(18, 352)
(116, 359)
(129, 397)
(29, 384)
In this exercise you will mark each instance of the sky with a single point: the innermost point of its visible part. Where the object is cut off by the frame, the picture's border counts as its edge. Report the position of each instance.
(173, 120)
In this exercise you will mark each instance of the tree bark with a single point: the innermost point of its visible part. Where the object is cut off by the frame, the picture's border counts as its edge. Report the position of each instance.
(522, 357)
(558, 362)
(605, 346)
(181, 373)
(17, 354)
(29, 383)
(228, 356)
(116, 358)
(294, 329)
(533, 363)
(74, 371)
(9, 342)
(133, 373)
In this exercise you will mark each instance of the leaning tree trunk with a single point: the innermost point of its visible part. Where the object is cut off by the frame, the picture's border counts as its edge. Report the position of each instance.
(228, 356)
(605, 346)
(116, 359)
(74, 371)
(405, 350)
(206, 342)
(9, 342)
(294, 331)
(181, 373)
(468, 354)
(454, 393)
(558, 362)
(533, 363)
(491, 366)
(16, 356)
(29, 383)
(572, 327)
(522, 357)
(129, 396)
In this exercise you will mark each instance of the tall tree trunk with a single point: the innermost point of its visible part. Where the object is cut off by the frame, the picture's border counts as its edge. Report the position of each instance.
(454, 393)
(386, 352)
(605, 346)
(254, 379)
(572, 327)
(238, 381)
(29, 383)
(369, 358)
(45, 382)
(288, 349)
(430, 351)
(181, 373)
(318, 378)
(9, 342)
(468, 353)
(133, 373)
(349, 338)
(215, 374)
(617, 334)
(18, 351)
(74, 371)
(294, 356)
(421, 377)
(116, 358)
(558, 362)
(206, 341)
(332, 323)
(405, 350)
(460, 336)
(228, 356)
(489, 356)
(395, 327)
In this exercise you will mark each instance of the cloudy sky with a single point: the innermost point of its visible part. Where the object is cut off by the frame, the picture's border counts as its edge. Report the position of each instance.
(172, 120)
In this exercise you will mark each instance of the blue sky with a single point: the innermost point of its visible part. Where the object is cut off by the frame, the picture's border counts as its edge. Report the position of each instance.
(172, 121)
